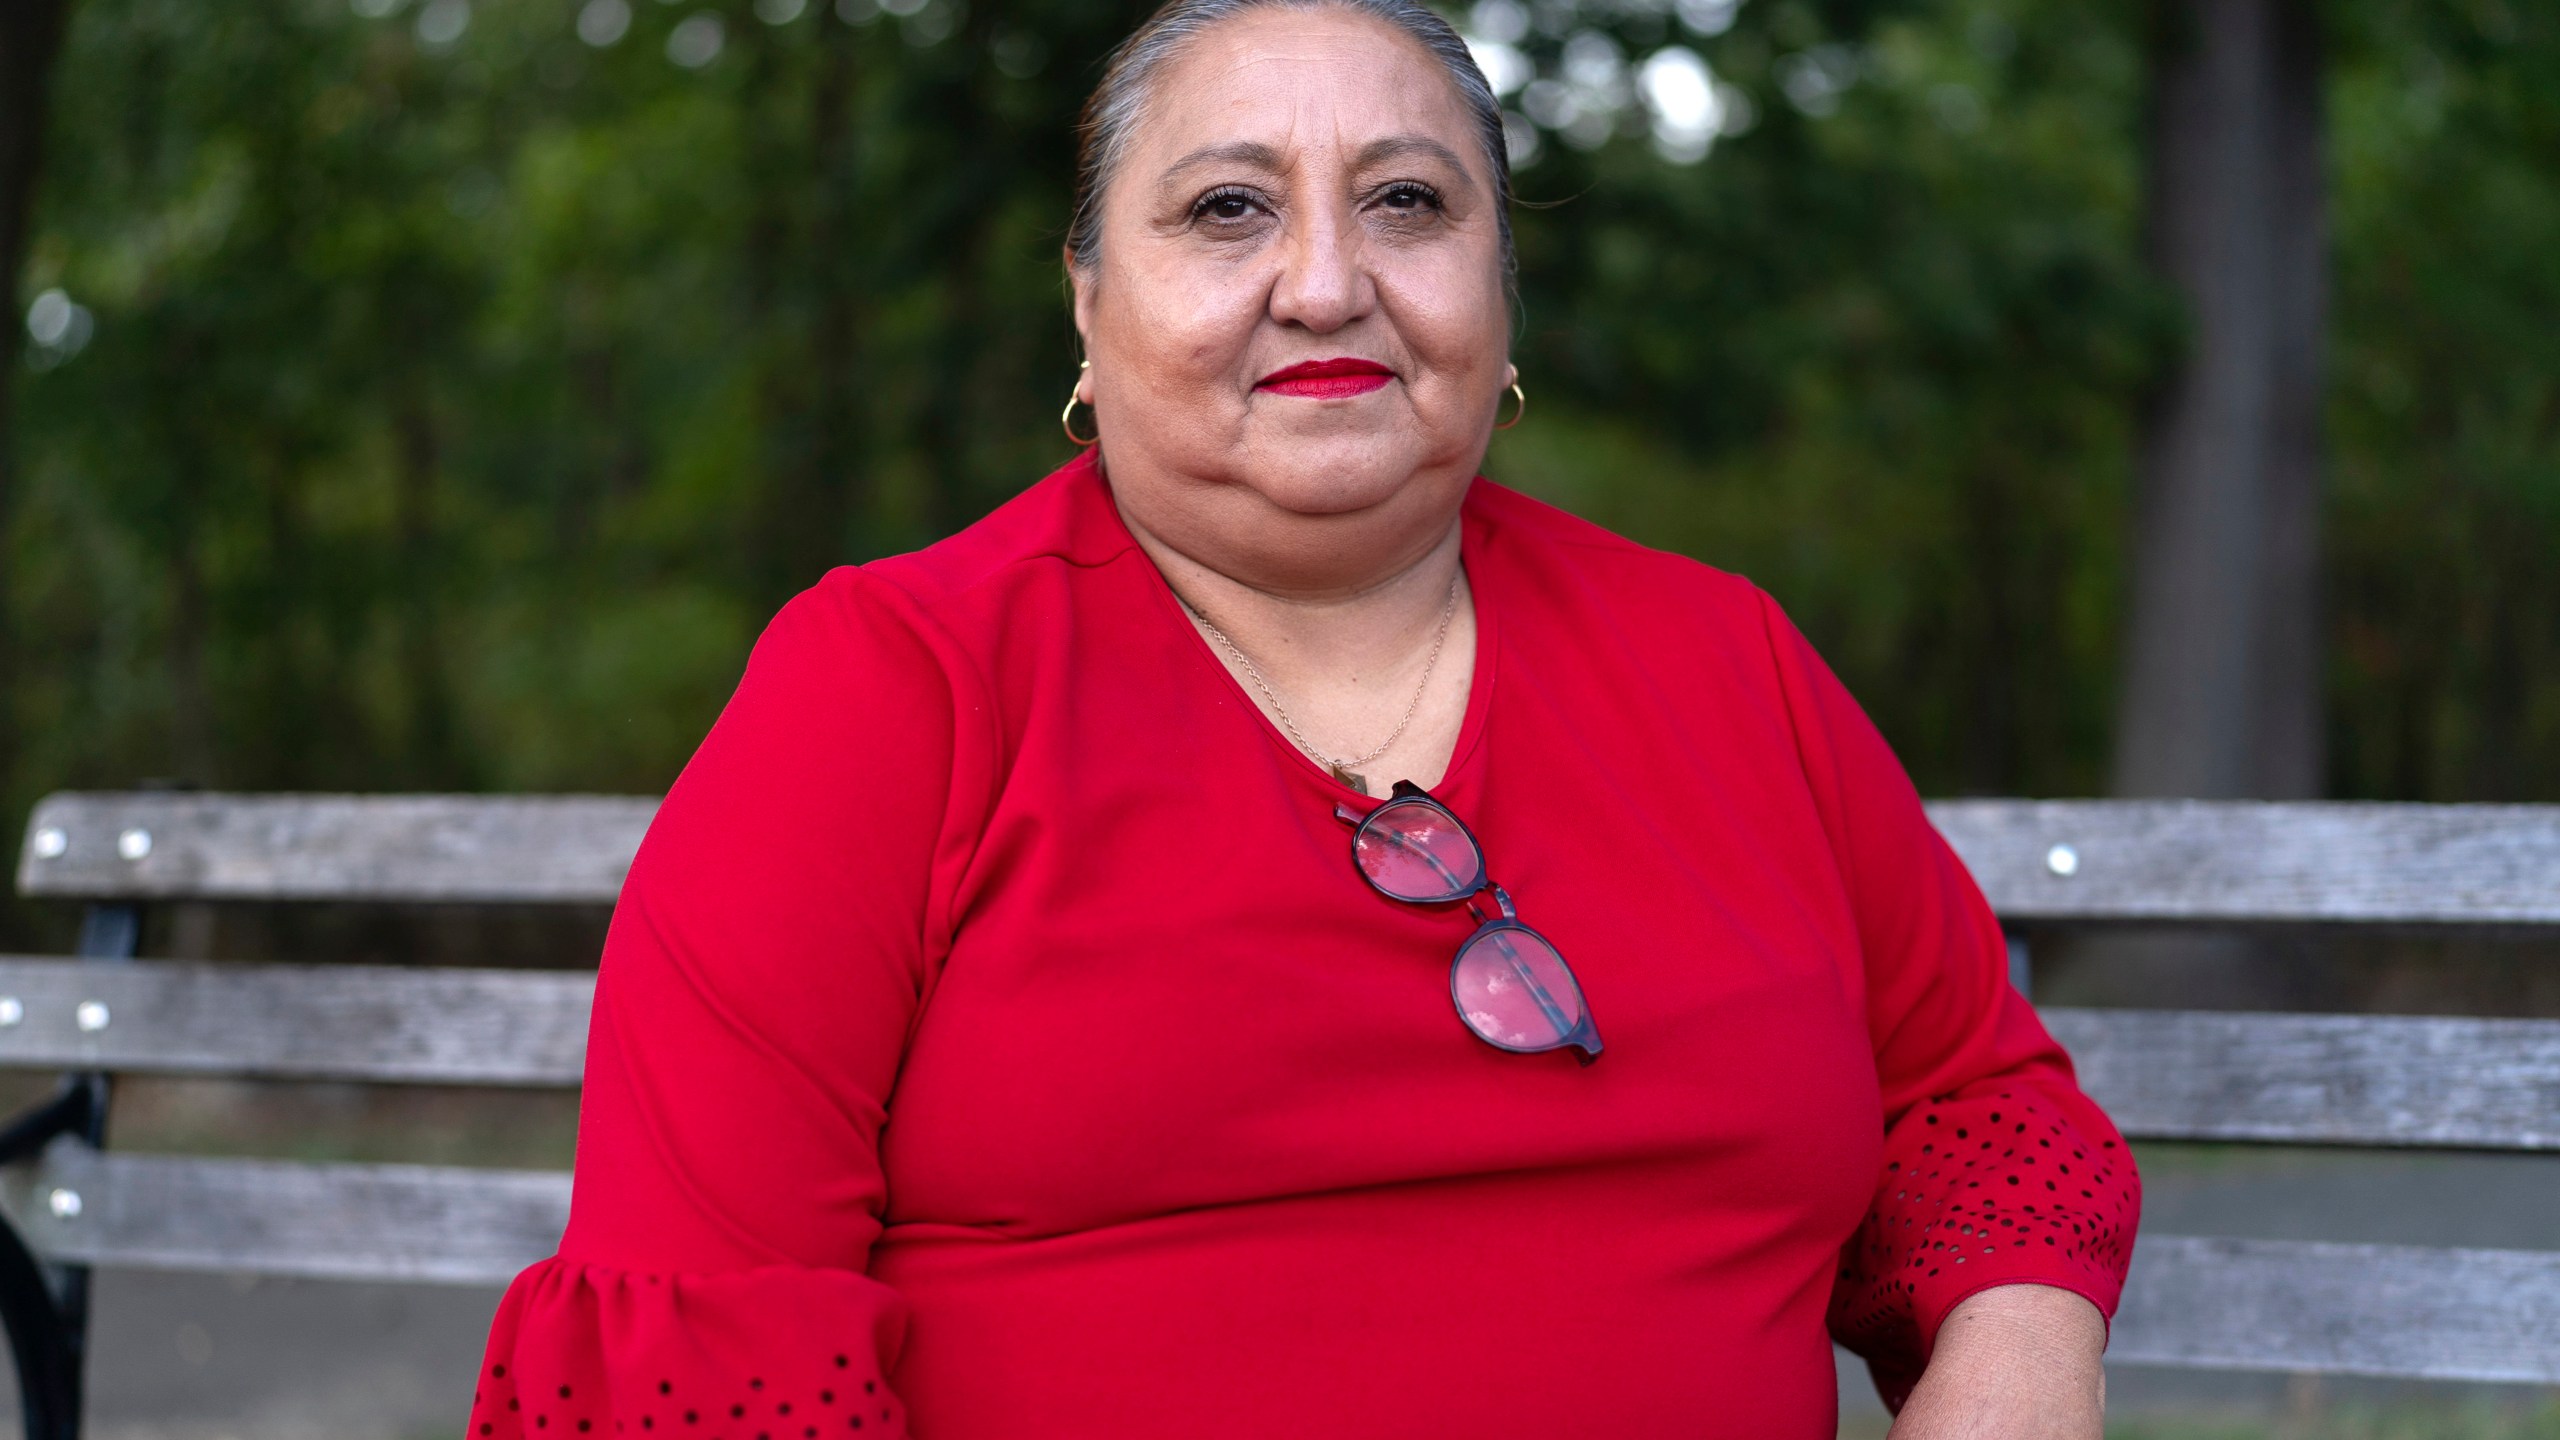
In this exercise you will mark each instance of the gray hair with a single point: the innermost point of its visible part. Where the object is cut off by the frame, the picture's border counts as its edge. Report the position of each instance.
(1117, 104)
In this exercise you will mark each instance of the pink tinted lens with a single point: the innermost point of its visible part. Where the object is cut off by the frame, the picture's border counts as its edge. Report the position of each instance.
(1513, 989)
(1415, 851)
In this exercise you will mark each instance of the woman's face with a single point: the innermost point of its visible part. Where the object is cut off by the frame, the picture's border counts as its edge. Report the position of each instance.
(1303, 187)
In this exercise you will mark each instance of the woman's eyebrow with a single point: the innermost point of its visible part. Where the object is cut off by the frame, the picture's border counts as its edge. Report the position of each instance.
(1256, 155)
(1401, 147)
(1252, 153)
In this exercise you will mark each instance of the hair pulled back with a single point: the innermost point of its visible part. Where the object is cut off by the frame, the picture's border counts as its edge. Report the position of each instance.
(1119, 103)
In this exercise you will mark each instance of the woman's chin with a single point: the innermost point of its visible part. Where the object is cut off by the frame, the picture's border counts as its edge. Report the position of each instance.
(1323, 494)
(1338, 474)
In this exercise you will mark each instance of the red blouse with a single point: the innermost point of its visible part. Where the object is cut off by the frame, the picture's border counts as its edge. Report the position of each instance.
(995, 1040)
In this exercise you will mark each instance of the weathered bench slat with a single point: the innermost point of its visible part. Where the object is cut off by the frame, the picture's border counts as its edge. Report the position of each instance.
(2238, 1304)
(530, 849)
(342, 1222)
(334, 1022)
(2198, 861)
(2394, 1310)
(2320, 1079)
(2163, 861)
(2164, 1075)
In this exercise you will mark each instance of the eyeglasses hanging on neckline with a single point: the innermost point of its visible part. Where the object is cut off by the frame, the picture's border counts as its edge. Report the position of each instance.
(1510, 983)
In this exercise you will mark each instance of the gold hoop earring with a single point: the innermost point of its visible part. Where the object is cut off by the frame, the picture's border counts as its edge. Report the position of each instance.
(1522, 396)
(1067, 417)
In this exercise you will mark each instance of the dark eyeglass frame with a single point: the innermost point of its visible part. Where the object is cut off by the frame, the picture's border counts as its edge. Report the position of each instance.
(1582, 1035)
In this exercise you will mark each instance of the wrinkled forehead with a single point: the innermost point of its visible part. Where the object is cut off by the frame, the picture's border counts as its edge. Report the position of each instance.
(1301, 87)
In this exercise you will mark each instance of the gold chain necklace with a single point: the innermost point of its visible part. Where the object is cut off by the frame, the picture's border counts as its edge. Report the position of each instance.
(1342, 769)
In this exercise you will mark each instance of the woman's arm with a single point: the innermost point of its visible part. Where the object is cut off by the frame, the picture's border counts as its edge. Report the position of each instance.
(2020, 1362)
(767, 958)
(1999, 1176)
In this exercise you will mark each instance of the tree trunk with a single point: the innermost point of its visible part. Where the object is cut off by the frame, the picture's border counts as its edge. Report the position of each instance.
(30, 39)
(839, 479)
(802, 247)
(2221, 689)
(2221, 684)
(194, 749)
(435, 745)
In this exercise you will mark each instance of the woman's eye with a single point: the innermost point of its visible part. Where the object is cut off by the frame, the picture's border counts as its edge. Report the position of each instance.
(1410, 198)
(1224, 205)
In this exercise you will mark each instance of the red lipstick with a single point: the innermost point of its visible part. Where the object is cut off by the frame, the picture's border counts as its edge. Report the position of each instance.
(1327, 379)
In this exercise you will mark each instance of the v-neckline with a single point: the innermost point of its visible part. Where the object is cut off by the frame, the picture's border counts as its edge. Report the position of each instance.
(1463, 756)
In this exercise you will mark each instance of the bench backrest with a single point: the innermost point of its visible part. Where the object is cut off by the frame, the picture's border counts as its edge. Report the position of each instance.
(2164, 1074)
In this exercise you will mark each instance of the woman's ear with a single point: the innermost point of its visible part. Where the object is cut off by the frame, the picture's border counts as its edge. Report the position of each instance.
(1080, 296)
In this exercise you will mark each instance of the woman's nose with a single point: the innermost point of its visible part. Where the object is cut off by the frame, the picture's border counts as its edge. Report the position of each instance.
(1324, 283)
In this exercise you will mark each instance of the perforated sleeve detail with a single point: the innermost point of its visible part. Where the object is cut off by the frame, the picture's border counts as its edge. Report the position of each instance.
(761, 1355)
(1999, 1184)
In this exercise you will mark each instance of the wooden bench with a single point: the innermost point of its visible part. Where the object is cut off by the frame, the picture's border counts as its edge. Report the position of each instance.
(2382, 1310)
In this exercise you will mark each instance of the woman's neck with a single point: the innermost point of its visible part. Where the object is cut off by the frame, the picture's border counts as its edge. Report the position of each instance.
(1346, 663)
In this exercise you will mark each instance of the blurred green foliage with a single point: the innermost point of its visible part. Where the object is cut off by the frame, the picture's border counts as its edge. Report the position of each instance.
(460, 390)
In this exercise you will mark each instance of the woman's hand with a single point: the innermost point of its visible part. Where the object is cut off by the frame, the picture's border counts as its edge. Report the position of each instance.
(2019, 1362)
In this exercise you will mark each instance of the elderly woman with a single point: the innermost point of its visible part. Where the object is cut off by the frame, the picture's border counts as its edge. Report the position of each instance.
(1069, 993)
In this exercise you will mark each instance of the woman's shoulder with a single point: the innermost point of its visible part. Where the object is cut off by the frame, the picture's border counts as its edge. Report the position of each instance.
(1064, 519)
(938, 608)
(850, 621)
(1551, 546)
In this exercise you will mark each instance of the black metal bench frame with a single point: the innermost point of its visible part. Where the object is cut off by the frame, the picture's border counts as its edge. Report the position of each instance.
(45, 1306)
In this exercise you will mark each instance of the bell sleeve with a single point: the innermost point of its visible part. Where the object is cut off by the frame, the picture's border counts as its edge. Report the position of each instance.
(767, 955)
(1997, 1169)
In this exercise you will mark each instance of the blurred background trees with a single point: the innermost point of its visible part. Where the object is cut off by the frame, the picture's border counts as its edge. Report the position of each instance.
(430, 394)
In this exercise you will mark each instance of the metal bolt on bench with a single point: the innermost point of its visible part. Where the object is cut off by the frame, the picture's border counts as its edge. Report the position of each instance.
(70, 1202)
